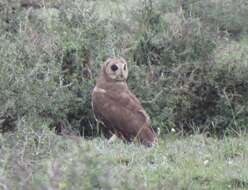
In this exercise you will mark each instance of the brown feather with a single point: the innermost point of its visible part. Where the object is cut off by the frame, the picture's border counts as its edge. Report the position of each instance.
(120, 110)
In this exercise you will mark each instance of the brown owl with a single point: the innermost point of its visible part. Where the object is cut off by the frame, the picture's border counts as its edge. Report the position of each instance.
(117, 108)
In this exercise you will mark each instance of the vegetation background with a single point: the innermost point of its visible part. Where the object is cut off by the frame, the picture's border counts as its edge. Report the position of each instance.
(188, 63)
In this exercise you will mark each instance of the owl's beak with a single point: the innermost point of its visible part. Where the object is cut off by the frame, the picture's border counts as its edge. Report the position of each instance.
(122, 76)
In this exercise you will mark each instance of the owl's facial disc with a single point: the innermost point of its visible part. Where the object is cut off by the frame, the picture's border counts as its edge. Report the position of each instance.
(116, 69)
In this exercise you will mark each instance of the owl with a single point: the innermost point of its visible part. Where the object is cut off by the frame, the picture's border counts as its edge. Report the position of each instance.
(118, 108)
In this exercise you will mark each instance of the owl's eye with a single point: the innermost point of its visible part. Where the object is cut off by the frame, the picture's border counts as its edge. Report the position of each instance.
(125, 67)
(114, 67)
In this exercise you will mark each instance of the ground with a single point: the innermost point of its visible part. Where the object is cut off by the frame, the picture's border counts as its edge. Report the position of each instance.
(48, 161)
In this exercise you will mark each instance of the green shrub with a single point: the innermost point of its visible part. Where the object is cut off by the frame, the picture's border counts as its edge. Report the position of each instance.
(230, 78)
(179, 63)
(40, 76)
(226, 16)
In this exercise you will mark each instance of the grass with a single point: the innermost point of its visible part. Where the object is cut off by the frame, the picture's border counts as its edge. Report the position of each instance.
(31, 159)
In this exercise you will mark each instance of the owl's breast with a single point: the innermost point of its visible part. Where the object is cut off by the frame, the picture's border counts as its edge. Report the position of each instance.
(98, 90)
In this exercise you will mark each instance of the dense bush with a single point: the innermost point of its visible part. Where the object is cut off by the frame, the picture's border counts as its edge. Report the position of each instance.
(221, 16)
(184, 64)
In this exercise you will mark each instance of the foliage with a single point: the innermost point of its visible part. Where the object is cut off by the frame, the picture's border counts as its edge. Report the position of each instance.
(220, 15)
(185, 64)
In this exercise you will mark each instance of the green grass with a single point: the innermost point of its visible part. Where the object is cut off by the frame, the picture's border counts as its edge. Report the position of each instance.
(43, 160)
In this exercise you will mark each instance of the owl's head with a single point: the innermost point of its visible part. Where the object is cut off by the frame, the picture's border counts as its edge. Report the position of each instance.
(115, 69)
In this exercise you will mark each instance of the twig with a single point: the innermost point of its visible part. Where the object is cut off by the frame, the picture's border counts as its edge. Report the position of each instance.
(5, 187)
(154, 99)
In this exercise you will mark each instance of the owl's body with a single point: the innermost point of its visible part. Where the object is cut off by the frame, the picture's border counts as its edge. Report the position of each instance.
(119, 109)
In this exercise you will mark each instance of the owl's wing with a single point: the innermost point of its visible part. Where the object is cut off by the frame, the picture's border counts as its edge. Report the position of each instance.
(134, 104)
(115, 109)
